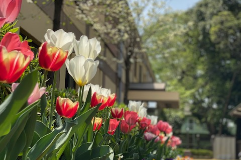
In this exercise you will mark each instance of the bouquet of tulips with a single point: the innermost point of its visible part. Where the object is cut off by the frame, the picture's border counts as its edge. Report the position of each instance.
(35, 126)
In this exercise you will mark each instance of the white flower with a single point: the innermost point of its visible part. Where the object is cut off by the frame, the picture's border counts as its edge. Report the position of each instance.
(138, 107)
(170, 135)
(95, 88)
(60, 39)
(135, 105)
(81, 69)
(89, 48)
(153, 119)
(142, 112)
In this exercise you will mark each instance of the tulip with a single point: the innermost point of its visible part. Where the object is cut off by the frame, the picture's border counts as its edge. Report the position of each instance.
(149, 136)
(97, 123)
(81, 69)
(35, 95)
(111, 99)
(9, 10)
(51, 58)
(125, 127)
(117, 112)
(175, 141)
(130, 117)
(113, 124)
(89, 48)
(153, 119)
(164, 127)
(153, 129)
(144, 123)
(138, 107)
(15, 56)
(96, 99)
(60, 39)
(66, 108)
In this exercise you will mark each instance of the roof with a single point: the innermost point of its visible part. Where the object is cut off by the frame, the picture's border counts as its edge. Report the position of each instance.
(236, 111)
(153, 92)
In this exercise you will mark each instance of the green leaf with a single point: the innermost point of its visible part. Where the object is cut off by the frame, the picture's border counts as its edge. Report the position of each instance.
(19, 125)
(43, 105)
(43, 145)
(14, 30)
(11, 106)
(41, 129)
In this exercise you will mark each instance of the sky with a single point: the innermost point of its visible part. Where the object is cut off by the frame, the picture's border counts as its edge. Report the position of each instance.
(181, 4)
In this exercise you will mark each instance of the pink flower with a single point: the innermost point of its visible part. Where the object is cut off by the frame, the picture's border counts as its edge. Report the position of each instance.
(149, 136)
(175, 141)
(144, 123)
(125, 127)
(153, 129)
(164, 127)
(66, 108)
(9, 10)
(35, 95)
(113, 124)
(131, 117)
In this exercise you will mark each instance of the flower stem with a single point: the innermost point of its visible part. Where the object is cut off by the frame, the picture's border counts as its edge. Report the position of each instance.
(81, 90)
(52, 101)
(45, 77)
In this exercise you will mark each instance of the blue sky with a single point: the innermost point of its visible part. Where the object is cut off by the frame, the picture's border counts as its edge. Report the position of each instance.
(181, 4)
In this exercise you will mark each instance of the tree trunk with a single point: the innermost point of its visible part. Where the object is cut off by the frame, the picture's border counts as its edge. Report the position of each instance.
(127, 78)
(226, 103)
(56, 26)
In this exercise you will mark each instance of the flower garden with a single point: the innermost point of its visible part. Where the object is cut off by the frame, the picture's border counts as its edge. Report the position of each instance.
(37, 123)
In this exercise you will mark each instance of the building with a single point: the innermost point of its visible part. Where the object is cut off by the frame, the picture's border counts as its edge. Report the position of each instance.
(35, 18)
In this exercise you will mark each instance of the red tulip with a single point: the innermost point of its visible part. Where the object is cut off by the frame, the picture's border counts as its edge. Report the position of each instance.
(153, 129)
(51, 58)
(97, 123)
(35, 95)
(125, 127)
(9, 10)
(15, 56)
(117, 112)
(66, 108)
(113, 124)
(96, 99)
(164, 127)
(131, 117)
(144, 123)
(111, 100)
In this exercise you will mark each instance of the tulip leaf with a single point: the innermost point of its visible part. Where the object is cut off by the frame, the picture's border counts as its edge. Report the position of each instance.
(103, 152)
(43, 105)
(11, 106)
(19, 125)
(43, 145)
(16, 145)
(41, 129)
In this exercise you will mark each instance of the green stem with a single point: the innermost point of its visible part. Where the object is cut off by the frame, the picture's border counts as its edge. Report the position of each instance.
(45, 77)
(52, 102)
(81, 90)
(24, 157)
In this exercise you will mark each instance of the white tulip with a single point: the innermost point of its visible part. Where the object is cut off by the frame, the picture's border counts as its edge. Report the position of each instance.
(60, 39)
(153, 119)
(142, 112)
(134, 105)
(82, 69)
(89, 48)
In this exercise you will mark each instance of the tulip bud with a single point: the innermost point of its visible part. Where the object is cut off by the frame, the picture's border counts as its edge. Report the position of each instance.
(51, 58)
(97, 123)
(117, 112)
(113, 124)
(66, 108)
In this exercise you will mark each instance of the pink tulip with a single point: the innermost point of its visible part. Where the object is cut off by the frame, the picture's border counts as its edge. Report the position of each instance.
(149, 136)
(164, 127)
(175, 141)
(131, 117)
(153, 129)
(113, 124)
(125, 127)
(144, 123)
(35, 95)
(9, 10)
